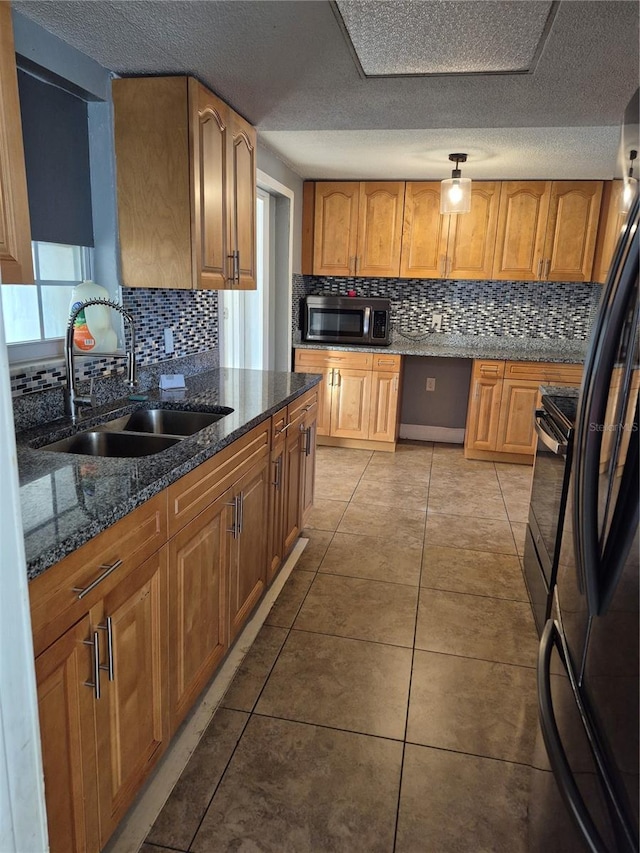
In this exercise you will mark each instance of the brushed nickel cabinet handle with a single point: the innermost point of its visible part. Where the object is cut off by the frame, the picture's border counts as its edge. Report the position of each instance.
(95, 684)
(108, 667)
(395, 384)
(339, 378)
(105, 574)
(277, 481)
(307, 443)
(231, 278)
(547, 268)
(241, 511)
(539, 273)
(234, 526)
(284, 428)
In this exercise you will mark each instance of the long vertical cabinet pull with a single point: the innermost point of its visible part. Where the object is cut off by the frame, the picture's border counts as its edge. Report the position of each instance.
(232, 275)
(240, 500)
(278, 480)
(108, 667)
(95, 684)
(234, 529)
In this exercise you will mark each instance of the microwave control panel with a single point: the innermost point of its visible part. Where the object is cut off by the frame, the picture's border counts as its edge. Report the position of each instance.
(379, 324)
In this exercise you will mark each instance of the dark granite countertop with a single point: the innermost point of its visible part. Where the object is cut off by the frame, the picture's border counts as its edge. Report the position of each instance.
(474, 346)
(68, 499)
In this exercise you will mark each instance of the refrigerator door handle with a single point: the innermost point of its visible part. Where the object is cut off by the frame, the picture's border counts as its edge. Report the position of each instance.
(555, 750)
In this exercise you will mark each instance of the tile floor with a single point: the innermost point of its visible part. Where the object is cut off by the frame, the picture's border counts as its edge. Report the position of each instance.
(388, 703)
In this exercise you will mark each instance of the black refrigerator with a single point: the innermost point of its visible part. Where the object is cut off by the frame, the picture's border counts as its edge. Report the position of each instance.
(588, 681)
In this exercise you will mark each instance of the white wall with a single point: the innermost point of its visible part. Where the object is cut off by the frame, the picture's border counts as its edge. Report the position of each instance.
(22, 809)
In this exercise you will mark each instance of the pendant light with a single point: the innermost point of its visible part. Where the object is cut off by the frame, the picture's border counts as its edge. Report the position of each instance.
(455, 192)
(630, 185)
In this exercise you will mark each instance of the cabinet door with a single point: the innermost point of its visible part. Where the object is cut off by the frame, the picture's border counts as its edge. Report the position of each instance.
(198, 634)
(68, 738)
(276, 510)
(350, 401)
(424, 232)
(522, 219)
(248, 562)
(15, 231)
(242, 200)
(308, 458)
(210, 169)
(572, 226)
(484, 405)
(609, 228)
(472, 236)
(383, 419)
(381, 207)
(335, 238)
(132, 716)
(516, 433)
(293, 485)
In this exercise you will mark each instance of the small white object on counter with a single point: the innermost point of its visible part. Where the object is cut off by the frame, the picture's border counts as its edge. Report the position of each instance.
(171, 381)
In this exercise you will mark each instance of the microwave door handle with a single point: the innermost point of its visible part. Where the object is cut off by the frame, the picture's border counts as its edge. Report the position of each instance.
(367, 323)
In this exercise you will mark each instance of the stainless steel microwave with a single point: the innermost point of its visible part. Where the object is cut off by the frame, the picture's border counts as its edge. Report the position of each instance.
(346, 320)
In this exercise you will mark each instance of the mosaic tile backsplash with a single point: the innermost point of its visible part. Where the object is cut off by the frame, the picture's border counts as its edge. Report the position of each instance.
(525, 309)
(192, 315)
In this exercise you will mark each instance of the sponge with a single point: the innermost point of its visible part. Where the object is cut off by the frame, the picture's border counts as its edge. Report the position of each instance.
(138, 398)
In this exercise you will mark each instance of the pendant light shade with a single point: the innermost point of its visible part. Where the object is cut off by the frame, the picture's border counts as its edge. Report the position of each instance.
(455, 192)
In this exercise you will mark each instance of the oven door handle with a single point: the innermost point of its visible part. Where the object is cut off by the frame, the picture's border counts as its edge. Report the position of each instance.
(554, 443)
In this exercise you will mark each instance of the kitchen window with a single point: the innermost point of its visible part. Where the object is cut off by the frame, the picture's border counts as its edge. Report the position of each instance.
(40, 314)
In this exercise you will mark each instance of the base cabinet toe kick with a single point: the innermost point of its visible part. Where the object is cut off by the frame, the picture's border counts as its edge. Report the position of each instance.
(130, 628)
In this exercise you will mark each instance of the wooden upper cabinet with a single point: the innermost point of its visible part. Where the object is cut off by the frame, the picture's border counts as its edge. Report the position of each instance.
(572, 226)
(547, 230)
(211, 233)
(186, 180)
(335, 234)
(425, 232)
(472, 236)
(381, 207)
(357, 228)
(242, 204)
(521, 230)
(456, 246)
(16, 266)
(609, 229)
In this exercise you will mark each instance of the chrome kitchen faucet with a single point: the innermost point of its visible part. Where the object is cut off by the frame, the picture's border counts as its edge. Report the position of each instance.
(73, 400)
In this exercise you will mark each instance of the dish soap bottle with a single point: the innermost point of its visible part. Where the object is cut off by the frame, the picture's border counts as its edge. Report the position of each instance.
(92, 329)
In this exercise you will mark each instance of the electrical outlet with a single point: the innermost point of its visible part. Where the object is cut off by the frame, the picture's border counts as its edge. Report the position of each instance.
(168, 342)
(431, 384)
(436, 322)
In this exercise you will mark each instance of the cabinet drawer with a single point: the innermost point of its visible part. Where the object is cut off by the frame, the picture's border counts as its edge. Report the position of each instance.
(55, 604)
(278, 422)
(333, 358)
(302, 405)
(390, 363)
(197, 489)
(546, 372)
(488, 369)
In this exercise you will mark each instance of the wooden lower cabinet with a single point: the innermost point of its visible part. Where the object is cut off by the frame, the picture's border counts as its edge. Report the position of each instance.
(350, 403)
(198, 621)
(68, 737)
(502, 402)
(358, 398)
(276, 502)
(132, 716)
(100, 743)
(248, 545)
(516, 433)
(183, 573)
(483, 413)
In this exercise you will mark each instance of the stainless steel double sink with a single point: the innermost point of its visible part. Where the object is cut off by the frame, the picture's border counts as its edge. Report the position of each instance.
(141, 433)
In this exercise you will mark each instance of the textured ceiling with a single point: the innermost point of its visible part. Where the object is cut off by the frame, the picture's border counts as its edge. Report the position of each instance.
(288, 68)
(444, 37)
